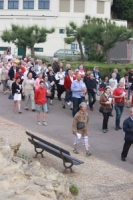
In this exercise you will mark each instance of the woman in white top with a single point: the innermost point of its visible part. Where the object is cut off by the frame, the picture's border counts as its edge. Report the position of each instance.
(60, 82)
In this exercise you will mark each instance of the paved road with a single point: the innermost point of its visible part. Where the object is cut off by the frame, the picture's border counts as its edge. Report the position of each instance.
(106, 147)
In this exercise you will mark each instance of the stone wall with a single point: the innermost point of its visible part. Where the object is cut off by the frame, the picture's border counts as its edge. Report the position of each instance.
(29, 181)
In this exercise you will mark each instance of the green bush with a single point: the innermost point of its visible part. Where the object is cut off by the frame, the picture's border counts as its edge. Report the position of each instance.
(74, 190)
(105, 69)
(24, 155)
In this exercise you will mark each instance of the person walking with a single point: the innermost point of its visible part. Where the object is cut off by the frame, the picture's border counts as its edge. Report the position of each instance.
(114, 80)
(91, 87)
(128, 129)
(37, 81)
(97, 77)
(119, 96)
(106, 104)
(41, 103)
(51, 79)
(4, 78)
(80, 128)
(47, 85)
(28, 91)
(60, 85)
(16, 92)
(78, 90)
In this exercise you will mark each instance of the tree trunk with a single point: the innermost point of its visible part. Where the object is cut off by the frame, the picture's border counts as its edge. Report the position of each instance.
(80, 48)
(108, 56)
(24, 52)
(32, 52)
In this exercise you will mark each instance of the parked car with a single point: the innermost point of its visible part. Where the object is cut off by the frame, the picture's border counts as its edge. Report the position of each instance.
(67, 53)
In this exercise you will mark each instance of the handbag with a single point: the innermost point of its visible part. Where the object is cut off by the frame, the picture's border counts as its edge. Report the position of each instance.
(101, 109)
(120, 104)
(101, 89)
(80, 125)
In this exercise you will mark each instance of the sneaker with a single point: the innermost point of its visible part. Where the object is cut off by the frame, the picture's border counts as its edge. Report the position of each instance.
(69, 103)
(75, 151)
(39, 123)
(45, 124)
(63, 106)
(104, 130)
(88, 154)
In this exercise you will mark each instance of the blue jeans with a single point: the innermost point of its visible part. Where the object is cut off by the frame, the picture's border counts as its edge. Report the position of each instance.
(119, 111)
(92, 98)
(76, 102)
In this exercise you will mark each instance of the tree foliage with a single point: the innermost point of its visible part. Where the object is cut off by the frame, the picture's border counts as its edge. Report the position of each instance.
(123, 9)
(26, 36)
(102, 35)
(73, 34)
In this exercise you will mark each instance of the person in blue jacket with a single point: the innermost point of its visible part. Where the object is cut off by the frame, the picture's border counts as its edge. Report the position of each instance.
(128, 129)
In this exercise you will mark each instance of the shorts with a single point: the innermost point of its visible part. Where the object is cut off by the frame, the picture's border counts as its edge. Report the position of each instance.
(17, 97)
(85, 140)
(41, 108)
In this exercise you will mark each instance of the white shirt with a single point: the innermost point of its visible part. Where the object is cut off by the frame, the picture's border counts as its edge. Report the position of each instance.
(7, 57)
(60, 75)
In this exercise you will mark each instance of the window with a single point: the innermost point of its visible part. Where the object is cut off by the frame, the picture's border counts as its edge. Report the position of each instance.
(100, 7)
(61, 31)
(28, 4)
(3, 48)
(74, 46)
(79, 6)
(13, 4)
(43, 4)
(60, 51)
(37, 49)
(64, 6)
(1, 4)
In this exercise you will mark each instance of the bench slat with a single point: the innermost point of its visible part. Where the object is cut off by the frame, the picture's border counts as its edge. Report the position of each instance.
(56, 152)
(48, 143)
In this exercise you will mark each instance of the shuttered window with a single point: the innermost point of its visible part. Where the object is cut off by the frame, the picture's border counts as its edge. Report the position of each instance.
(100, 7)
(79, 6)
(64, 6)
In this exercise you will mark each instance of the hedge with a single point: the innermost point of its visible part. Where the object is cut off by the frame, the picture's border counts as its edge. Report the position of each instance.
(105, 69)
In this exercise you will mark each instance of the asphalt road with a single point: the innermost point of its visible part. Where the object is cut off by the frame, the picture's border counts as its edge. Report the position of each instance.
(105, 146)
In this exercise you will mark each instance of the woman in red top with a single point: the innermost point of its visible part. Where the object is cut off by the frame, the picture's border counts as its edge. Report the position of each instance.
(119, 95)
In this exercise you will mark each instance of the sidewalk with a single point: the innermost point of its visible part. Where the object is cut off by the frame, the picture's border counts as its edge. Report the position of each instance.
(96, 179)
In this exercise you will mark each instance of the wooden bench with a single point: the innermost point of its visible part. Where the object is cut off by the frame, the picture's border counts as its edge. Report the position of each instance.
(54, 150)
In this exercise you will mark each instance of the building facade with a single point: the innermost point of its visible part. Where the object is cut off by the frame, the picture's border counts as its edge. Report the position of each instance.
(50, 13)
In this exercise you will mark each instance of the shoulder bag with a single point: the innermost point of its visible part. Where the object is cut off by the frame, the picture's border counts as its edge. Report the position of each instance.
(80, 125)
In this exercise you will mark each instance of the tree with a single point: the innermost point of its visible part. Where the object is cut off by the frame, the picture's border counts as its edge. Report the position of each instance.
(26, 36)
(73, 34)
(37, 35)
(123, 9)
(102, 32)
(17, 35)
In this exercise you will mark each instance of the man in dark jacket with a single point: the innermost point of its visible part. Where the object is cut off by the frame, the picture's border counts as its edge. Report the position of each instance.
(11, 74)
(91, 87)
(55, 66)
(128, 129)
(130, 80)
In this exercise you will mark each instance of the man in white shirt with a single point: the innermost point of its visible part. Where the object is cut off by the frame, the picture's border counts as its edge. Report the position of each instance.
(114, 80)
(9, 56)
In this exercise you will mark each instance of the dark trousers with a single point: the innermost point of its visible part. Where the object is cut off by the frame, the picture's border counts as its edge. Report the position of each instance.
(105, 120)
(76, 102)
(92, 98)
(60, 90)
(126, 148)
(119, 111)
(68, 96)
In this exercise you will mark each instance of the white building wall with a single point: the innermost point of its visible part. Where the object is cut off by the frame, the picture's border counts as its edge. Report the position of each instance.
(49, 18)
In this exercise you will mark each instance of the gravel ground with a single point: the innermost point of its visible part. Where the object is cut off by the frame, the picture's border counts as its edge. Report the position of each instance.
(96, 179)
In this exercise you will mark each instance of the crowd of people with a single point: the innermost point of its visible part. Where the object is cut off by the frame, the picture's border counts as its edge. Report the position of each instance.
(35, 82)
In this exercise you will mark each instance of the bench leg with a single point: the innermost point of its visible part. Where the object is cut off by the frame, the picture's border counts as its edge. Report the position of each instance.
(39, 152)
(67, 167)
